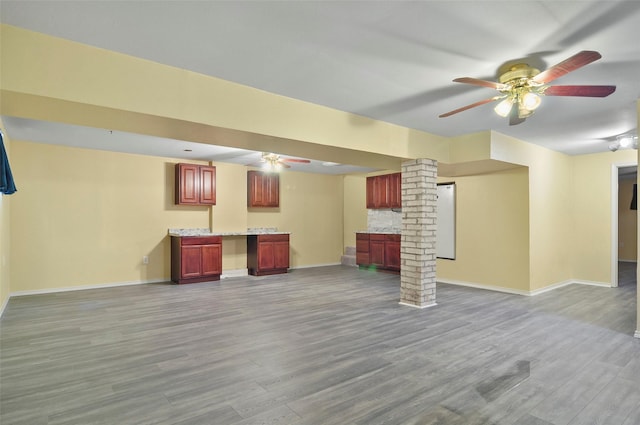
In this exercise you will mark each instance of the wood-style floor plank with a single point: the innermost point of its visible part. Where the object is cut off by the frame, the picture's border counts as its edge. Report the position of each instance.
(327, 345)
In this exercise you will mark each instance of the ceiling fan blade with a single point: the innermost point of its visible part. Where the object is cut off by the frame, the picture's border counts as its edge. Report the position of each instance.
(283, 165)
(586, 91)
(302, 161)
(514, 116)
(576, 61)
(483, 83)
(473, 105)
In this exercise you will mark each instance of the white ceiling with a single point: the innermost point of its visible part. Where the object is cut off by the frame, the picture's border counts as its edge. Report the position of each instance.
(388, 60)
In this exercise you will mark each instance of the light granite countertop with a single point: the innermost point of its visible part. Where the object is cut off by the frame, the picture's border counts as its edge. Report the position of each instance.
(385, 230)
(208, 232)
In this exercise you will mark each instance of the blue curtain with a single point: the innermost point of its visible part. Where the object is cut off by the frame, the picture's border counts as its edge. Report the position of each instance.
(7, 186)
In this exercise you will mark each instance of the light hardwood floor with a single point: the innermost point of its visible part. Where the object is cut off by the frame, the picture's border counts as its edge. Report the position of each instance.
(326, 345)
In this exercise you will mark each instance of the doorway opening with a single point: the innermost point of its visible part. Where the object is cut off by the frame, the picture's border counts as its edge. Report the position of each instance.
(625, 175)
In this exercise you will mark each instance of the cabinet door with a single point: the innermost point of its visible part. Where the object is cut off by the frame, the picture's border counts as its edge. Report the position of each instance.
(395, 190)
(392, 255)
(272, 189)
(371, 198)
(208, 185)
(211, 259)
(191, 261)
(376, 252)
(362, 249)
(281, 255)
(255, 194)
(378, 192)
(187, 184)
(266, 256)
(263, 189)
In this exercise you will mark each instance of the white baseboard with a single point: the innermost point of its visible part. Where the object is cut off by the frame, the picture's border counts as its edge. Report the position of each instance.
(4, 305)
(637, 334)
(483, 286)
(82, 288)
(418, 306)
(234, 273)
(315, 265)
(520, 291)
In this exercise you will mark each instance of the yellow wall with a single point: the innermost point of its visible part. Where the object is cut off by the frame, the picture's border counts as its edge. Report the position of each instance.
(140, 96)
(627, 222)
(87, 217)
(5, 231)
(592, 243)
(355, 207)
(311, 209)
(492, 231)
(637, 334)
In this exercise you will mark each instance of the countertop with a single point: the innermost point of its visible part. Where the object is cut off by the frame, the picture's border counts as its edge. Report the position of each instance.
(384, 230)
(209, 232)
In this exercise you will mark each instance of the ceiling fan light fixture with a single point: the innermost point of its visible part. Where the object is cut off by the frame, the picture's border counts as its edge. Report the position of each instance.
(503, 108)
(530, 101)
(625, 140)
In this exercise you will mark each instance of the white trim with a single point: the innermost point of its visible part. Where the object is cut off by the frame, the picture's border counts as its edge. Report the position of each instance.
(316, 265)
(520, 291)
(483, 286)
(4, 306)
(81, 288)
(637, 334)
(614, 218)
(418, 306)
(549, 288)
(234, 273)
(593, 283)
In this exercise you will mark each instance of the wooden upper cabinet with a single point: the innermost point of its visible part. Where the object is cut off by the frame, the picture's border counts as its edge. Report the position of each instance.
(263, 189)
(395, 190)
(384, 191)
(195, 184)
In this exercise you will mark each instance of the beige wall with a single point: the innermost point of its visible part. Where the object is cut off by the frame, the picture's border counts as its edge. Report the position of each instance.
(5, 232)
(311, 208)
(86, 217)
(592, 243)
(638, 264)
(627, 222)
(355, 207)
(492, 231)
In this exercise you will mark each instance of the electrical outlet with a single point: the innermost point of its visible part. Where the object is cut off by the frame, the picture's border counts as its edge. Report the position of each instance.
(145, 260)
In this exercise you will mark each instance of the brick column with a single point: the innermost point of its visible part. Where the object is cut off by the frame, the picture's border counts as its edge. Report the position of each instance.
(418, 248)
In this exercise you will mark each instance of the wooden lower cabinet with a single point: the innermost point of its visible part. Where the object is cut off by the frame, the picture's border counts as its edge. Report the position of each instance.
(267, 254)
(378, 250)
(362, 248)
(196, 258)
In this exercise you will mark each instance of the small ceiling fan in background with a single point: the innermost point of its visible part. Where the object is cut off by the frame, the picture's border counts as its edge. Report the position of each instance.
(521, 87)
(274, 162)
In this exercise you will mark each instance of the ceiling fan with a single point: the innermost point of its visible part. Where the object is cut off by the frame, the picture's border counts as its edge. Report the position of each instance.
(521, 87)
(274, 162)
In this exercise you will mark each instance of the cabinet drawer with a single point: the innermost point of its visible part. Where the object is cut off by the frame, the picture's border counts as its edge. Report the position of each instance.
(200, 240)
(393, 238)
(362, 237)
(362, 245)
(377, 236)
(273, 238)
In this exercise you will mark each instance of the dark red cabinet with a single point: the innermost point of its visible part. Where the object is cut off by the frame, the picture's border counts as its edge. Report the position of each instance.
(263, 189)
(379, 250)
(384, 191)
(267, 254)
(195, 184)
(196, 258)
